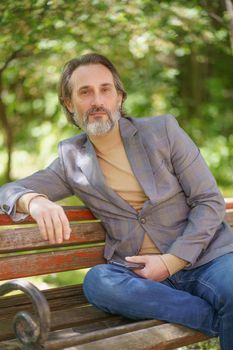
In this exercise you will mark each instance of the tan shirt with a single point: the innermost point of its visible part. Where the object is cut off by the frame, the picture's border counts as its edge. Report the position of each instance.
(119, 176)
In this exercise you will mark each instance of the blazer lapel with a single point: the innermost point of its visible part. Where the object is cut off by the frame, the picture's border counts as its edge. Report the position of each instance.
(138, 158)
(89, 165)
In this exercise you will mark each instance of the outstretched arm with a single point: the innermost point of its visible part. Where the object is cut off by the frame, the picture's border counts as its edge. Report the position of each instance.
(34, 195)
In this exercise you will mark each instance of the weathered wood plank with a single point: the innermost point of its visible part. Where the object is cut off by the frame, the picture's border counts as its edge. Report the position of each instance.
(44, 263)
(83, 316)
(58, 338)
(161, 337)
(73, 213)
(59, 342)
(58, 298)
(229, 203)
(26, 238)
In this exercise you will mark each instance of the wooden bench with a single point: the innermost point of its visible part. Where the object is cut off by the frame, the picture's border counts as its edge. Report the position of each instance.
(66, 320)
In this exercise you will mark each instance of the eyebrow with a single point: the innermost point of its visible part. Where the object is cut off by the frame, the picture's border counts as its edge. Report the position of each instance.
(87, 86)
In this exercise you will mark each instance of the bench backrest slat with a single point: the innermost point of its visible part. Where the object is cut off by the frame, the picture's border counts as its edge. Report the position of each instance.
(73, 214)
(229, 203)
(28, 238)
(229, 217)
(49, 262)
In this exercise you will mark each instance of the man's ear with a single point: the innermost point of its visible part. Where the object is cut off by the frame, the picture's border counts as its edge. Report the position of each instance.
(69, 105)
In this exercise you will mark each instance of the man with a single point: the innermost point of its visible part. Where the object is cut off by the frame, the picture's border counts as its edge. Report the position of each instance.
(147, 182)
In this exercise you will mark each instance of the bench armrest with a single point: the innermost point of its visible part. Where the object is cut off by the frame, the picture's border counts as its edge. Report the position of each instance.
(30, 330)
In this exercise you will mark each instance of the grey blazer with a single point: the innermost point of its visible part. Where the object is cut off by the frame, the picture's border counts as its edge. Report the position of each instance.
(184, 213)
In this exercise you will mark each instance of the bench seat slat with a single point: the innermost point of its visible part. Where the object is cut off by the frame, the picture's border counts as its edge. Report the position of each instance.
(159, 337)
(72, 317)
(58, 298)
(50, 262)
(56, 343)
(58, 338)
(19, 239)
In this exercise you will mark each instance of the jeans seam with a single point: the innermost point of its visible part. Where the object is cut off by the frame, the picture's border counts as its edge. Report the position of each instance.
(206, 285)
(202, 282)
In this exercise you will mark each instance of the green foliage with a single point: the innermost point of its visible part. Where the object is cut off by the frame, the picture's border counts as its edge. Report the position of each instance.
(218, 152)
(174, 57)
(170, 58)
(65, 278)
(212, 344)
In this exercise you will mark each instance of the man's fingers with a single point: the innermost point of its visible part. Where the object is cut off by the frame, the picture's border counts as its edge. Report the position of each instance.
(49, 228)
(51, 218)
(57, 227)
(65, 225)
(136, 259)
(42, 229)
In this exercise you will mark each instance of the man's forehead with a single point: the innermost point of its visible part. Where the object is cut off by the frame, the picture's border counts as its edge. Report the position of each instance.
(91, 74)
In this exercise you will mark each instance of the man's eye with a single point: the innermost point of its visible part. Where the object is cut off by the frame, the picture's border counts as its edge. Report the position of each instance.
(84, 92)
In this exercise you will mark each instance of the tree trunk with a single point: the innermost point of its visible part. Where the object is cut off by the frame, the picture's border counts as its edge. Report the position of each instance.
(229, 7)
(8, 135)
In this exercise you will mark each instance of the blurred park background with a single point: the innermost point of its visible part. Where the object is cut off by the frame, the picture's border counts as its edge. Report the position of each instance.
(173, 56)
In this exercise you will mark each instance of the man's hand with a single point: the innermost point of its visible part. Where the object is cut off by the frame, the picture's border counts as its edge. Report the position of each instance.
(51, 219)
(155, 269)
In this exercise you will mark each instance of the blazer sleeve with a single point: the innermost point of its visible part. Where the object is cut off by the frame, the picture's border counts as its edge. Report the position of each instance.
(203, 196)
(51, 182)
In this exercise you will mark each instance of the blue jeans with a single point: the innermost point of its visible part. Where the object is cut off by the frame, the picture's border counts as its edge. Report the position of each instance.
(201, 298)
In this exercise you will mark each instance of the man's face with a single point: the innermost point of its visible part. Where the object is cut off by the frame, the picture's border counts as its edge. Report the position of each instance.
(95, 101)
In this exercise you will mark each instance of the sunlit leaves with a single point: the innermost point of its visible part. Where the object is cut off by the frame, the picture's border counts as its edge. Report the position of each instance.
(173, 56)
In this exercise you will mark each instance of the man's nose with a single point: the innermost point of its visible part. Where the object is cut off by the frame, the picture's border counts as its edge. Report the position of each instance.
(97, 100)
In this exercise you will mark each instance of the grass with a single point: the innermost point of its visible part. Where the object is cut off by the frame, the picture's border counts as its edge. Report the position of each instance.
(226, 191)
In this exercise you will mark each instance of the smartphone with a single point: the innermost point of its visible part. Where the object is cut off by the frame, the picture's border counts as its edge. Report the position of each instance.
(127, 265)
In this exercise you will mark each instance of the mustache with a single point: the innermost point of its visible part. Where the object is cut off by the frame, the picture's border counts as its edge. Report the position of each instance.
(95, 110)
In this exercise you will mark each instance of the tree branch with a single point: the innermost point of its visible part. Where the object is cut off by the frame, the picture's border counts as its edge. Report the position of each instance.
(213, 15)
(13, 55)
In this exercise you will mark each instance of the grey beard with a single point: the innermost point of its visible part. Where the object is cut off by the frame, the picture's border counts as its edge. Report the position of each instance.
(98, 127)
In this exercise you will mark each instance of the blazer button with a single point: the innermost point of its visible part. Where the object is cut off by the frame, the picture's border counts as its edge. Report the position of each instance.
(142, 221)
